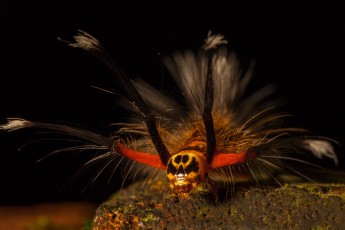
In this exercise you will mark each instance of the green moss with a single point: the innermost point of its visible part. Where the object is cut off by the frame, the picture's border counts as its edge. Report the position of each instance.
(325, 227)
(150, 218)
(235, 215)
(324, 190)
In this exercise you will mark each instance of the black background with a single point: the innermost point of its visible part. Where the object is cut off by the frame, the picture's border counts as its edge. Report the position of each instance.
(298, 46)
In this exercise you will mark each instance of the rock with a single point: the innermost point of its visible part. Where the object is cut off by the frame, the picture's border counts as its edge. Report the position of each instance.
(153, 206)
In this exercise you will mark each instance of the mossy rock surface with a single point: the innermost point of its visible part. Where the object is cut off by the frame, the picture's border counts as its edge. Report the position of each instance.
(294, 206)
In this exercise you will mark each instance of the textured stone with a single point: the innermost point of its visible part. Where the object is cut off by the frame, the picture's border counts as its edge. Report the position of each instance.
(153, 206)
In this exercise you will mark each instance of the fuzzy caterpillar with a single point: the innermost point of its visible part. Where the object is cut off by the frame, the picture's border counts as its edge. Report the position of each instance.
(217, 132)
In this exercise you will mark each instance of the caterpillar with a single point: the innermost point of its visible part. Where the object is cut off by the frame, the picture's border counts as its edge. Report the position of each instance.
(215, 134)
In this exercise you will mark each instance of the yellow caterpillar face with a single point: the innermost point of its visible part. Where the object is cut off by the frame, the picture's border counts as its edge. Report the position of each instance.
(185, 170)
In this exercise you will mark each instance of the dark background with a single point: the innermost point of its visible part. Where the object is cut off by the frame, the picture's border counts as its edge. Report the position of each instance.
(298, 46)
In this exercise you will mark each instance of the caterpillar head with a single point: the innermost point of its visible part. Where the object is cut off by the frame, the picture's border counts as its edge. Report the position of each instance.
(185, 170)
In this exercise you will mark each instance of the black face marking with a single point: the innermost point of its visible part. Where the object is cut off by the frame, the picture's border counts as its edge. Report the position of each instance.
(180, 170)
(171, 169)
(178, 159)
(193, 166)
(185, 158)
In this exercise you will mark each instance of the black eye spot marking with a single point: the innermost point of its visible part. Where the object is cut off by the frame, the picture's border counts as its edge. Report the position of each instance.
(185, 158)
(180, 170)
(178, 159)
(193, 166)
(171, 169)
